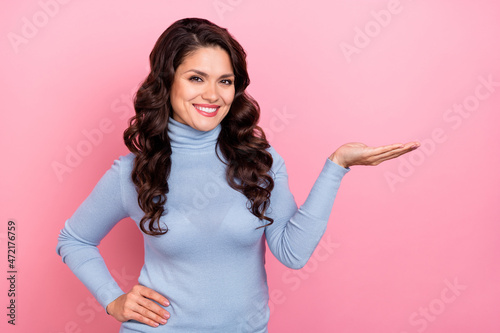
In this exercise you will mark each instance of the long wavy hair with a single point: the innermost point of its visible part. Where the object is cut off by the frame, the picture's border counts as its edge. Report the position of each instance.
(241, 141)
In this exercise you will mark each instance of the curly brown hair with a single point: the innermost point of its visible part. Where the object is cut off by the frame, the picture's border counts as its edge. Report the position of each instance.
(241, 141)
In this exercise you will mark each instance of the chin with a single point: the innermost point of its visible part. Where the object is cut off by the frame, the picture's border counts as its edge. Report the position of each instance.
(205, 125)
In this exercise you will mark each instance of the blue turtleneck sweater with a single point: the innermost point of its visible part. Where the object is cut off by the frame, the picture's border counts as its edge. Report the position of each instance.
(210, 264)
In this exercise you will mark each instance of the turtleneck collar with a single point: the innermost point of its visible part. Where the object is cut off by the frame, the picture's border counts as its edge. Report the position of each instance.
(185, 137)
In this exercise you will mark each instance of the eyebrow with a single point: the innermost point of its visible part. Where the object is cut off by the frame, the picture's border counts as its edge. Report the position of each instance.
(206, 75)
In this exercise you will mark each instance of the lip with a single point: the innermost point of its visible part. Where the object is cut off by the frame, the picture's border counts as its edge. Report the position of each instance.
(207, 114)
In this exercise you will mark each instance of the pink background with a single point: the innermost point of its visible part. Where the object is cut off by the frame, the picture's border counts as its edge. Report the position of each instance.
(325, 73)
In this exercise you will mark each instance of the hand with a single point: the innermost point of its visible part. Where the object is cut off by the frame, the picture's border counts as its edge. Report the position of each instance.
(356, 153)
(137, 305)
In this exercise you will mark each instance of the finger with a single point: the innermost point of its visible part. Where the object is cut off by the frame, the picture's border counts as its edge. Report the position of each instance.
(147, 295)
(154, 311)
(391, 155)
(142, 315)
(154, 295)
(395, 147)
(385, 149)
(134, 309)
(413, 144)
(395, 154)
(144, 309)
(154, 317)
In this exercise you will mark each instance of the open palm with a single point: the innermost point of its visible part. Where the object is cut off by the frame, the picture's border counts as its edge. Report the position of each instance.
(357, 153)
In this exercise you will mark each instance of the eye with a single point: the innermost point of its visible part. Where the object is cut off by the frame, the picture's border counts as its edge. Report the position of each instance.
(195, 79)
(227, 82)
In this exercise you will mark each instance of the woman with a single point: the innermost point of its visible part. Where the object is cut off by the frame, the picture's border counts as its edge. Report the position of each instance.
(207, 191)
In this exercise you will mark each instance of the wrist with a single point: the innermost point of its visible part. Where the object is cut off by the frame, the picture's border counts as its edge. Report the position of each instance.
(108, 308)
(336, 160)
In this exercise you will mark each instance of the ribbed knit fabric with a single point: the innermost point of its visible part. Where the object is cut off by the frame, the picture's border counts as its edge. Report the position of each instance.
(210, 264)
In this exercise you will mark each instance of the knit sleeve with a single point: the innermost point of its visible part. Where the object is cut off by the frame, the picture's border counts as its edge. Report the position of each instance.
(295, 232)
(84, 230)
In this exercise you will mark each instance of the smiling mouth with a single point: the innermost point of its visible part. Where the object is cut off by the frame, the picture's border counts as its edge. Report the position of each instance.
(207, 110)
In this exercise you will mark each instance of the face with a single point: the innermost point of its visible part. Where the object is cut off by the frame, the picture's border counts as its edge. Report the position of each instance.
(203, 88)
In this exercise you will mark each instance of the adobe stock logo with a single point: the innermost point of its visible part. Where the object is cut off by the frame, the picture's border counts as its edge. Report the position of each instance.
(89, 309)
(224, 6)
(363, 37)
(31, 27)
(121, 109)
(277, 122)
(454, 118)
(293, 280)
(428, 314)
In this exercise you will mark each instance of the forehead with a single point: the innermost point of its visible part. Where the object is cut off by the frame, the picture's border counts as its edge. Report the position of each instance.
(211, 60)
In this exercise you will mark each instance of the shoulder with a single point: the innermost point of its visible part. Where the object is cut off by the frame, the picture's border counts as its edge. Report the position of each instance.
(276, 156)
(124, 163)
(120, 174)
(278, 162)
(121, 169)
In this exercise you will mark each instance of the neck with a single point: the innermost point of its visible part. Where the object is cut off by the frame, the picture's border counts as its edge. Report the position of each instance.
(185, 137)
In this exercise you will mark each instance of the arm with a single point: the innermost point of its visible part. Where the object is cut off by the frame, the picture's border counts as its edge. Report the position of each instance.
(83, 232)
(295, 233)
(77, 245)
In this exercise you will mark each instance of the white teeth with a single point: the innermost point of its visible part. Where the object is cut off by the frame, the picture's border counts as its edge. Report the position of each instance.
(205, 109)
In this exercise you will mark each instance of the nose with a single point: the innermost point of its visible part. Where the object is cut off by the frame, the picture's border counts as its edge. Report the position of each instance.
(210, 93)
